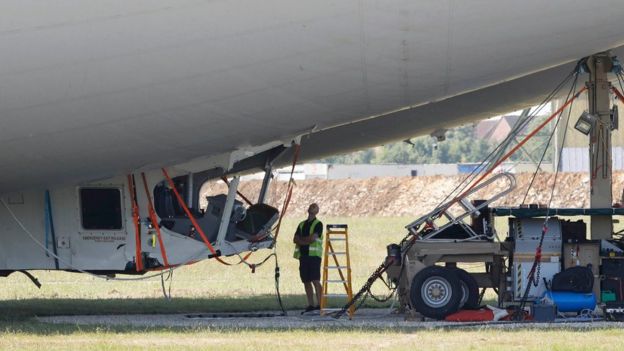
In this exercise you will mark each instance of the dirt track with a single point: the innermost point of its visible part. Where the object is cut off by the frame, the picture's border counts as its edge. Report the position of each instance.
(413, 196)
(379, 319)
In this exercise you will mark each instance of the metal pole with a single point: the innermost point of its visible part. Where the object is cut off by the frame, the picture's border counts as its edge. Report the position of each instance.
(600, 144)
(555, 161)
(227, 211)
(268, 174)
(190, 203)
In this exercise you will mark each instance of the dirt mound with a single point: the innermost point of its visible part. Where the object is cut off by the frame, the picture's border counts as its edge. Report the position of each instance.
(414, 196)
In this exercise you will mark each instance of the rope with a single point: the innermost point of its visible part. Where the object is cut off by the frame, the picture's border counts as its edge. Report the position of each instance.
(500, 148)
(557, 170)
(169, 278)
(137, 224)
(502, 158)
(464, 188)
(496, 153)
(617, 92)
(573, 88)
(203, 235)
(289, 191)
(291, 184)
(171, 268)
(74, 268)
(535, 268)
(365, 290)
(154, 221)
(519, 145)
(620, 77)
(193, 220)
(277, 285)
(253, 266)
(243, 259)
(227, 182)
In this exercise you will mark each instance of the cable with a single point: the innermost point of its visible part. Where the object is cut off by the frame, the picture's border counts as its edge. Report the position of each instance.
(501, 147)
(557, 169)
(253, 267)
(620, 77)
(162, 283)
(469, 183)
(277, 286)
(365, 289)
(72, 267)
(167, 294)
(537, 169)
(381, 299)
(494, 158)
(538, 251)
(406, 242)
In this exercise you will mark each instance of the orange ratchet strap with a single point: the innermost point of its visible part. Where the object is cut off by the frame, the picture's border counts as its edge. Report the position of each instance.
(154, 220)
(192, 218)
(200, 230)
(227, 182)
(291, 185)
(519, 145)
(618, 93)
(137, 226)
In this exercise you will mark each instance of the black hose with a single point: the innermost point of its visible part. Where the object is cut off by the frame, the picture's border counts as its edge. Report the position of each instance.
(366, 288)
(519, 313)
(277, 287)
(572, 89)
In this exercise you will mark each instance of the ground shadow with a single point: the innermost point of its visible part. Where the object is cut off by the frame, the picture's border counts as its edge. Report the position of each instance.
(17, 316)
(20, 310)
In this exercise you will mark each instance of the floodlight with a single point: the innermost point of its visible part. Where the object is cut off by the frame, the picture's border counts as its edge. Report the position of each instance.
(439, 134)
(585, 123)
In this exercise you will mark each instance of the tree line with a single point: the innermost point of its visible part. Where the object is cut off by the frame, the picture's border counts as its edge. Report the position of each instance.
(460, 146)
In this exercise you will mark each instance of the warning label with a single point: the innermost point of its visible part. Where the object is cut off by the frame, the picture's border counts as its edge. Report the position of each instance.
(104, 238)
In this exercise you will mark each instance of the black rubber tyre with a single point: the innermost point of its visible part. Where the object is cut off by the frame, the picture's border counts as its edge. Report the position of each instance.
(470, 290)
(435, 292)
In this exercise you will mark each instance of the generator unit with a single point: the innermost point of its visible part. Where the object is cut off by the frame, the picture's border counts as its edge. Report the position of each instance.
(526, 234)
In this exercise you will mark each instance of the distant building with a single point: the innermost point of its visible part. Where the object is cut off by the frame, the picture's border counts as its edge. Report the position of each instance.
(337, 171)
(364, 171)
(494, 130)
(301, 171)
(575, 153)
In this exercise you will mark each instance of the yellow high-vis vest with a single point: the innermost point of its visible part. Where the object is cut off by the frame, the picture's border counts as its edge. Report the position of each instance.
(316, 247)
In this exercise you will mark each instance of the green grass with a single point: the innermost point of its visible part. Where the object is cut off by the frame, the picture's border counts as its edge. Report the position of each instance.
(210, 287)
(211, 280)
(63, 337)
(206, 286)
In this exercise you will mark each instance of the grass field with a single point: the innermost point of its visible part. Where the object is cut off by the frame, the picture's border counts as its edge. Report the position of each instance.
(211, 287)
(236, 340)
(208, 280)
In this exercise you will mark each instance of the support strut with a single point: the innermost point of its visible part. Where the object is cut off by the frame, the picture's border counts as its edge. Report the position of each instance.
(268, 168)
(600, 143)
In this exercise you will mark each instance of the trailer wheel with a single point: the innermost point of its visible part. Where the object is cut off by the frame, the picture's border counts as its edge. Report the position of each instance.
(470, 290)
(435, 292)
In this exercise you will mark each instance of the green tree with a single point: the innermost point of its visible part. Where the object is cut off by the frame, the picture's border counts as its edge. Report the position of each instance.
(459, 146)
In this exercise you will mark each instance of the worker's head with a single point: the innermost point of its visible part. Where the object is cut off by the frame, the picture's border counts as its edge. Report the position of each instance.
(313, 210)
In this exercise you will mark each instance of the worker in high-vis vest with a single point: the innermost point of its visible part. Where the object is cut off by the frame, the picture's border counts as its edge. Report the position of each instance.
(308, 250)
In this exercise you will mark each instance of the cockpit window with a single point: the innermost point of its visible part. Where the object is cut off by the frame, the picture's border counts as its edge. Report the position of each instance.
(165, 202)
(100, 208)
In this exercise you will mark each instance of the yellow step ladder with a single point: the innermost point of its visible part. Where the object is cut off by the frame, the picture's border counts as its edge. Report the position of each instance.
(336, 271)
